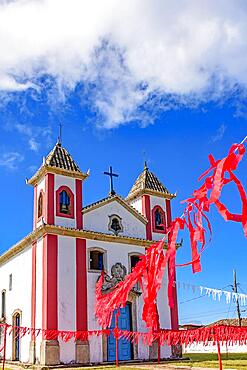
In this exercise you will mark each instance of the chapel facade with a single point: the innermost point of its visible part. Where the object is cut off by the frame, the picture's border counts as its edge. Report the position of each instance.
(47, 279)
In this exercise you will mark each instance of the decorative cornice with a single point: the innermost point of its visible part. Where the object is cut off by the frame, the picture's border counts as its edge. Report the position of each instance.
(76, 233)
(118, 199)
(139, 193)
(44, 169)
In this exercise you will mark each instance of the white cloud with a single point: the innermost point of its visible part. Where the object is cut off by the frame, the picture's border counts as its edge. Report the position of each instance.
(219, 133)
(10, 160)
(128, 53)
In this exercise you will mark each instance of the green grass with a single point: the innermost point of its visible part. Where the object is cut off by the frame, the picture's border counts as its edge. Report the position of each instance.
(210, 360)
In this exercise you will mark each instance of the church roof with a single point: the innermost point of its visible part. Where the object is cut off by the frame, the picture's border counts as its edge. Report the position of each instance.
(58, 161)
(120, 200)
(148, 183)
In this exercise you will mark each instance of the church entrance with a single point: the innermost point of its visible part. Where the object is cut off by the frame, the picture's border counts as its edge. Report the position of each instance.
(16, 336)
(125, 350)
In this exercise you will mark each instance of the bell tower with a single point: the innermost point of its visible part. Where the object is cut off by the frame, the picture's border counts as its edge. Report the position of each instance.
(151, 198)
(58, 190)
(57, 202)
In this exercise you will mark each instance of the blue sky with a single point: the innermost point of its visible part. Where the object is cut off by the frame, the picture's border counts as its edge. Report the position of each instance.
(170, 100)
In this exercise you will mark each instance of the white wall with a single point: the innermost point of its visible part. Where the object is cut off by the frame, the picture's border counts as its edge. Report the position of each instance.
(137, 204)
(67, 294)
(19, 298)
(117, 252)
(98, 220)
(60, 180)
(39, 278)
(210, 348)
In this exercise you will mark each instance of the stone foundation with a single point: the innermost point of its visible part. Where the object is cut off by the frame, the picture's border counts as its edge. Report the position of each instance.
(82, 355)
(49, 352)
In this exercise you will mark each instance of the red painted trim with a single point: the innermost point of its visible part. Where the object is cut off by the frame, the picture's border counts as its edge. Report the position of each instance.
(174, 310)
(153, 220)
(72, 202)
(33, 289)
(147, 213)
(78, 190)
(49, 199)
(35, 207)
(168, 212)
(81, 285)
(49, 284)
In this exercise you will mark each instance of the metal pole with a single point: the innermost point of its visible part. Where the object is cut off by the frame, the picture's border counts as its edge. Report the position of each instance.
(219, 355)
(116, 325)
(235, 289)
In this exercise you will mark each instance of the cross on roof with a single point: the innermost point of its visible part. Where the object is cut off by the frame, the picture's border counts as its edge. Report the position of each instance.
(111, 175)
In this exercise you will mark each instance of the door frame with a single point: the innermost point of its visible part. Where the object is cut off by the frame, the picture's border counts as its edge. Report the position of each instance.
(133, 326)
(14, 339)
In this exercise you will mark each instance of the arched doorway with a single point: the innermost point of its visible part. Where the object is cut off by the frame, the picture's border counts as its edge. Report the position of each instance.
(125, 348)
(16, 336)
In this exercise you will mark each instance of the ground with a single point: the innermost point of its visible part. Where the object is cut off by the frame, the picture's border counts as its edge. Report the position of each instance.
(235, 361)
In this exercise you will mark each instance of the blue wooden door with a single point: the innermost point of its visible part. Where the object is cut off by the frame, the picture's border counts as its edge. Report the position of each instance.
(124, 345)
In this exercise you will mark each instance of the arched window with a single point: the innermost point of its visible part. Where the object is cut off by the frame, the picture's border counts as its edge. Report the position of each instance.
(65, 202)
(159, 220)
(134, 258)
(3, 304)
(40, 204)
(96, 259)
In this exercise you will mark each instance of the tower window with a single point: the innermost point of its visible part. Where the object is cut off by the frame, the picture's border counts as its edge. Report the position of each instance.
(159, 220)
(96, 260)
(40, 204)
(3, 304)
(65, 202)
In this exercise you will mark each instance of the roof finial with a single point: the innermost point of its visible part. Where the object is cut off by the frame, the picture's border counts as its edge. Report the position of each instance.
(59, 139)
(145, 161)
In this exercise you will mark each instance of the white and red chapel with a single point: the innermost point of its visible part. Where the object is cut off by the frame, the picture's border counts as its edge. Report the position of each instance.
(47, 279)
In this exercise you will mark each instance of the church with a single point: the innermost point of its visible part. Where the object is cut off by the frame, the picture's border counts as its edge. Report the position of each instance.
(47, 279)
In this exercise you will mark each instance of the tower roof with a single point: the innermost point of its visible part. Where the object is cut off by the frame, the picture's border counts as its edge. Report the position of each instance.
(148, 183)
(60, 158)
(58, 161)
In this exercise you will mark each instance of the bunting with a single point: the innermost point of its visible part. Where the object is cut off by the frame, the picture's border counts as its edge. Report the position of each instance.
(222, 333)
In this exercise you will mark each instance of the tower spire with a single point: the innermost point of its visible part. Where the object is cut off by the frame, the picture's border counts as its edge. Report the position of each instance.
(59, 139)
